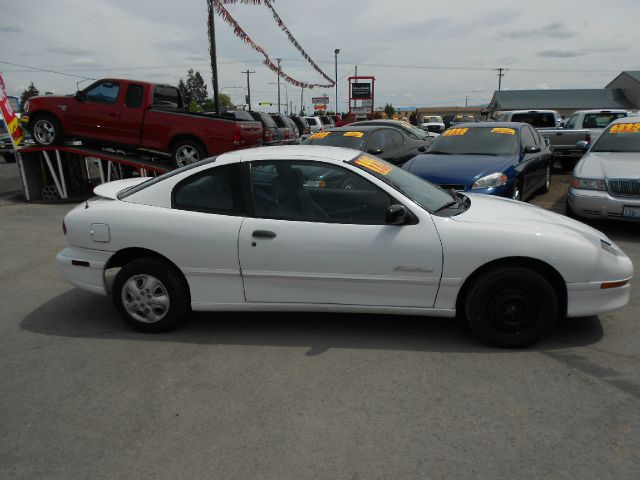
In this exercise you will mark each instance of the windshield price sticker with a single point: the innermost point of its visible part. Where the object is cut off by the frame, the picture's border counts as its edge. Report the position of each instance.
(319, 135)
(374, 165)
(625, 128)
(352, 134)
(504, 131)
(455, 132)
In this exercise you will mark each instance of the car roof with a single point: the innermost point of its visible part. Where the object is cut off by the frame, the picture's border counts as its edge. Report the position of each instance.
(603, 110)
(631, 118)
(514, 125)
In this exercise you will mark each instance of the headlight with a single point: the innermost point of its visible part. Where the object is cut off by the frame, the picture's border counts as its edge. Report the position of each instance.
(488, 181)
(588, 183)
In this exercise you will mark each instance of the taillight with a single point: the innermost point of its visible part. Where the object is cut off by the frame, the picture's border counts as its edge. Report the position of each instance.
(236, 134)
(64, 228)
(267, 135)
(286, 134)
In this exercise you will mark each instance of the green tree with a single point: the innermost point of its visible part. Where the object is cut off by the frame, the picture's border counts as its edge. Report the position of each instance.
(186, 98)
(196, 87)
(30, 91)
(209, 104)
(413, 118)
(389, 110)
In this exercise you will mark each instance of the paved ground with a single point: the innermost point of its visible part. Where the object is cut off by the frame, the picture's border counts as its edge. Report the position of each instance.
(299, 396)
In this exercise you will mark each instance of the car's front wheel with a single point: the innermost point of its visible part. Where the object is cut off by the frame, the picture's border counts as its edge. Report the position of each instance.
(151, 295)
(511, 307)
(46, 130)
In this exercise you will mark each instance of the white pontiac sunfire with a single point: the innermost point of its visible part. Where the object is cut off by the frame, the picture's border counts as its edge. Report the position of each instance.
(308, 228)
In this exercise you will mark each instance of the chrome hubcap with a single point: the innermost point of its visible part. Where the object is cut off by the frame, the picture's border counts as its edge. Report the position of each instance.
(145, 298)
(186, 155)
(44, 132)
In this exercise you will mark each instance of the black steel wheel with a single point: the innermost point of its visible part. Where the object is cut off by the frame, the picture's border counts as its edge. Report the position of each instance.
(511, 307)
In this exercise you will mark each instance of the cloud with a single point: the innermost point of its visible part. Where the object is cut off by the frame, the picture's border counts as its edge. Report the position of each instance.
(11, 29)
(551, 53)
(68, 50)
(553, 30)
(82, 62)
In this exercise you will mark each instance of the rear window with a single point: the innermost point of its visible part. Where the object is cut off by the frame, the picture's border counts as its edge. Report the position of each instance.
(325, 120)
(279, 121)
(266, 119)
(600, 120)
(239, 115)
(536, 119)
(166, 97)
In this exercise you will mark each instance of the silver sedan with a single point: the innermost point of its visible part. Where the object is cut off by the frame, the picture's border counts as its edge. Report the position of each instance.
(605, 184)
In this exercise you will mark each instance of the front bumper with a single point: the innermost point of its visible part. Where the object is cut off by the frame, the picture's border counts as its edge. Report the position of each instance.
(88, 272)
(24, 120)
(585, 299)
(597, 204)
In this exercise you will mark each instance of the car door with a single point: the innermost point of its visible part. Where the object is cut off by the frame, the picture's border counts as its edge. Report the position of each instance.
(533, 168)
(97, 117)
(131, 115)
(319, 242)
(207, 212)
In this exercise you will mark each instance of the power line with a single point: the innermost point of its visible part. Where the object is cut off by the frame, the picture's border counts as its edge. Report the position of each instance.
(46, 70)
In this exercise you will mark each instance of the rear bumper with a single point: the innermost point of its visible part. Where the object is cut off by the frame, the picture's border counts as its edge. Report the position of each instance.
(89, 274)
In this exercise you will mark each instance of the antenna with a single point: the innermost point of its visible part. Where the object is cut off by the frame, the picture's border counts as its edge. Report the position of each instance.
(80, 81)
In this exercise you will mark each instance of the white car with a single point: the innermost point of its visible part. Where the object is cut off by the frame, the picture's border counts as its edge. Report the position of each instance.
(324, 229)
(605, 183)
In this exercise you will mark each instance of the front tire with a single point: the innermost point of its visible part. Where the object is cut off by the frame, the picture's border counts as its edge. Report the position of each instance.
(186, 152)
(151, 295)
(547, 181)
(511, 307)
(46, 130)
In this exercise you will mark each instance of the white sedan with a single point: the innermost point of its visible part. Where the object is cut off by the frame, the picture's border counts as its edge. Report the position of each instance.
(326, 229)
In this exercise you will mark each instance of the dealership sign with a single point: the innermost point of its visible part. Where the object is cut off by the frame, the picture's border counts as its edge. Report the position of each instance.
(360, 90)
(320, 100)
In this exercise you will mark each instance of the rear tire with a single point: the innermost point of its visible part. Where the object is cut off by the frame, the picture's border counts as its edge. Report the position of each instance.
(511, 307)
(151, 295)
(186, 152)
(46, 130)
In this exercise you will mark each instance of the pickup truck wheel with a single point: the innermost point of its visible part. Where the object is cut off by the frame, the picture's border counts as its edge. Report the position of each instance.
(150, 295)
(47, 130)
(511, 307)
(186, 152)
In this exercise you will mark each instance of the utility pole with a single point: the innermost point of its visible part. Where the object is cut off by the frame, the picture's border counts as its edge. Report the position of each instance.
(336, 52)
(279, 60)
(212, 54)
(248, 88)
(302, 101)
(466, 101)
(500, 75)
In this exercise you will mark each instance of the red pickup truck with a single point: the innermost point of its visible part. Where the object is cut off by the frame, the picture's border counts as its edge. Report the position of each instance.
(137, 115)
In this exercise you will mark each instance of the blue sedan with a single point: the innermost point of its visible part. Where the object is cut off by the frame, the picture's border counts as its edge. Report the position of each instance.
(508, 159)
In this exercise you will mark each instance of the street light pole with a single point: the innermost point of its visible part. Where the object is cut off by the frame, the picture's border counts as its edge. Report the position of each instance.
(279, 60)
(336, 52)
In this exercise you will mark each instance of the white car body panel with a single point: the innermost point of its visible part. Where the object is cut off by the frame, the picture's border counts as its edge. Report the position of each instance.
(314, 266)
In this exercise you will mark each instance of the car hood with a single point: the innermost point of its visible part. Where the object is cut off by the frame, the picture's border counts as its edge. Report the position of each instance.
(610, 165)
(111, 189)
(487, 209)
(458, 168)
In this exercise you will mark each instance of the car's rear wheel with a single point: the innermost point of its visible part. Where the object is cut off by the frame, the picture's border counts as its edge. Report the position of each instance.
(150, 295)
(511, 307)
(46, 130)
(186, 152)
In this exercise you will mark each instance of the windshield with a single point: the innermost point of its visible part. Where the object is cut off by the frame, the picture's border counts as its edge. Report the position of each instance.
(621, 137)
(350, 139)
(476, 140)
(425, 194)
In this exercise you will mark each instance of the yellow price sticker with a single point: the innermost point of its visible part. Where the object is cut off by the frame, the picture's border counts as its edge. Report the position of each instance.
(374, 165)
(455, 132)
(319, 135)
(353, 134)
(625, 128)
(504, 131)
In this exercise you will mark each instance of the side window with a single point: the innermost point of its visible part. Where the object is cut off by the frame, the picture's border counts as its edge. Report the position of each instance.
(397, 138)
(133, 99)
(379, 140)
(571, 123)
(315, 192)
(527, 137)
(166, 97)
(103, 92)
(217, 190)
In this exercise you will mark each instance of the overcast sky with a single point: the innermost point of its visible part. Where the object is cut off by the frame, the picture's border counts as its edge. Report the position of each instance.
(422, 52)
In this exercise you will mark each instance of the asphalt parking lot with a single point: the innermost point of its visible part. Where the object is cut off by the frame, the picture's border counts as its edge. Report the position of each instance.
(299, 395)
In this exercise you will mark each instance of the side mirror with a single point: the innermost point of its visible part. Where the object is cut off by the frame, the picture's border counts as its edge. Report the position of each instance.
(81, 96)
(396, 215)
(562, 124)
(531, 149)
(582, 145)
(375, 151)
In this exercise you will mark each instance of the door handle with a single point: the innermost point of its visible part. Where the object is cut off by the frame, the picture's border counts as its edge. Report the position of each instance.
(263, 234)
